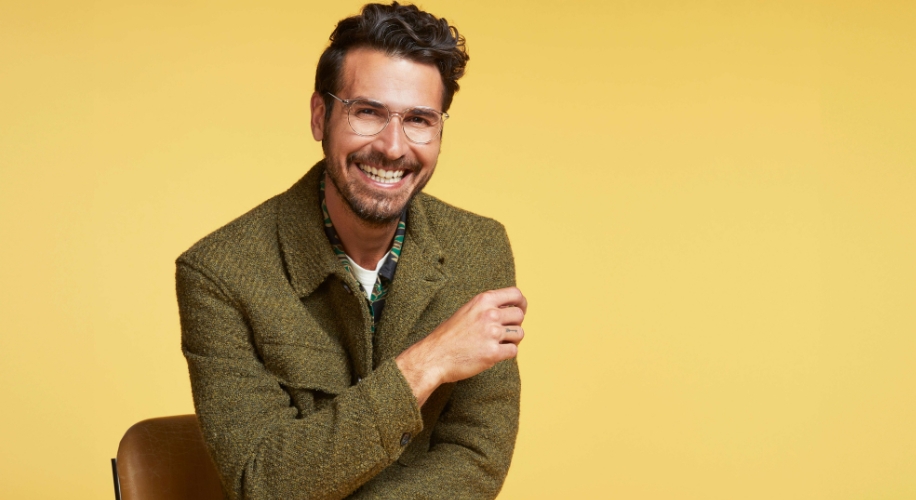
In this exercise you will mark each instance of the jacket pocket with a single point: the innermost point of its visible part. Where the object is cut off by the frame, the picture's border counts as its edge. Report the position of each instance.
(306, 367)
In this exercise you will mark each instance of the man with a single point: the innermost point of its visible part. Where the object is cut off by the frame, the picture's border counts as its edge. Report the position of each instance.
(353, 337)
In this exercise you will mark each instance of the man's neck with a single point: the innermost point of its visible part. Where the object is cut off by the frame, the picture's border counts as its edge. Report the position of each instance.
(365, 243)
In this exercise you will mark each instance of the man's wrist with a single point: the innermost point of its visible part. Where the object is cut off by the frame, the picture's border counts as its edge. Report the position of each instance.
(423, 380)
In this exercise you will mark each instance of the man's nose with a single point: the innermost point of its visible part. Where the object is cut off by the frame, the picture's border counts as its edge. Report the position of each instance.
(392, 142)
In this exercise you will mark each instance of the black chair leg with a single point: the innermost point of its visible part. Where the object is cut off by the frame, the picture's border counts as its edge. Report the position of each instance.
(117, 480)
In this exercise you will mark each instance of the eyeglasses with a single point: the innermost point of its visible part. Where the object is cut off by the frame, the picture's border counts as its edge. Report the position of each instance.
(367, 118)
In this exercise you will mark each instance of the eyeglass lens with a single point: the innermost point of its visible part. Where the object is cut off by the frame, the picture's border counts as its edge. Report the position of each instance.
(421, 125)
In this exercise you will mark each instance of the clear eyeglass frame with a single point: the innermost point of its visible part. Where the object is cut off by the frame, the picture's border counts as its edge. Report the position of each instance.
(359, 128)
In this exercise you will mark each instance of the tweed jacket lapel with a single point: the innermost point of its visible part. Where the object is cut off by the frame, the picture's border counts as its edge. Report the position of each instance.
(418, 278)
(306, 250)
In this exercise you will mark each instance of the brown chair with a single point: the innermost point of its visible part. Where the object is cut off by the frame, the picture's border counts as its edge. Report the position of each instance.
(165, 459)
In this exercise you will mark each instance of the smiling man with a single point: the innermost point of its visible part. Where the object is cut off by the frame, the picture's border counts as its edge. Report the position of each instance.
(354, 337)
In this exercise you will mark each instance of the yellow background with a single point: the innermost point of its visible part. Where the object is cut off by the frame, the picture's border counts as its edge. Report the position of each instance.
(711, 205)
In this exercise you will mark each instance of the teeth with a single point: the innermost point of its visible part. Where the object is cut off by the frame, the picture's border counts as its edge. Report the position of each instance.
(382, 175)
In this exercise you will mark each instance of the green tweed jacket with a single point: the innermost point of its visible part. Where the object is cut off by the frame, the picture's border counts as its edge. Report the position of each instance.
(296, 397)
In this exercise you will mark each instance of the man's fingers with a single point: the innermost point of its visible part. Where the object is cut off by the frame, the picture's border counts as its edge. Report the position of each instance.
(510, 296)
(508, 350)
(524, 305)
(511, 315)
(513, 334)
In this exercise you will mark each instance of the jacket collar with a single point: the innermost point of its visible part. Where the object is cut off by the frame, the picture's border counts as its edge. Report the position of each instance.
(310, 259)
(306, 250)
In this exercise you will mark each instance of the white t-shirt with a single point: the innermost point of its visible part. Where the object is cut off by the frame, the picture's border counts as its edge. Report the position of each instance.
(367, 277)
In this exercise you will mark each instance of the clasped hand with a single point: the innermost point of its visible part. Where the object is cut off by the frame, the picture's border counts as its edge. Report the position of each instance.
(480, 334)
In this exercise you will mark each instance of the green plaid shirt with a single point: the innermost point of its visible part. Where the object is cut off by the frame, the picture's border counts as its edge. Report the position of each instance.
(376, 300)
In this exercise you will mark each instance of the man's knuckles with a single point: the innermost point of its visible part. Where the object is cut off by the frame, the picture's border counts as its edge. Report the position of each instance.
(492, 316)
(493, 353)
(483, 299)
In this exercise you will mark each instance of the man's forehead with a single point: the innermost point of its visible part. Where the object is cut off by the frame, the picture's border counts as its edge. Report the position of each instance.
(394, 80)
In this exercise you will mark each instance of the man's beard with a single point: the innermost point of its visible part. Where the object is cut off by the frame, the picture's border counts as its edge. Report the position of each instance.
(370, 206)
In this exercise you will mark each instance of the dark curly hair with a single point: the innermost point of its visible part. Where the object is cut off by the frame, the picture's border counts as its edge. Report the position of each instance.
(398, 31)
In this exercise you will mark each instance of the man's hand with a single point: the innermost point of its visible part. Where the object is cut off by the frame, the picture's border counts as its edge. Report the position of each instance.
(480, 334)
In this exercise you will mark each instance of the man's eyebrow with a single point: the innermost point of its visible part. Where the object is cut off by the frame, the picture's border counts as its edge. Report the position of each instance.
(366, 100)
(424, 111)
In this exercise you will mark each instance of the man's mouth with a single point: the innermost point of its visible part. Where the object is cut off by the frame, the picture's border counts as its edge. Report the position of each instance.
(381, 175)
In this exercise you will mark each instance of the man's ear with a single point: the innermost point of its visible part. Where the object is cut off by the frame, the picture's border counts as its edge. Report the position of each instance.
(317, 116)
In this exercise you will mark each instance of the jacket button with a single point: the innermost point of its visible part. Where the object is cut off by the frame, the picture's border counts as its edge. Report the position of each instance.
(405, 439)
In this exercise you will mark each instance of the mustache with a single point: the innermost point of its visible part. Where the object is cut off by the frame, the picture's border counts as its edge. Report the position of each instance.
(378, 159)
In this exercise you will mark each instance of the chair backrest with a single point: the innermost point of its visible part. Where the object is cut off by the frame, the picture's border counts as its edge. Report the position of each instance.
(166, 459)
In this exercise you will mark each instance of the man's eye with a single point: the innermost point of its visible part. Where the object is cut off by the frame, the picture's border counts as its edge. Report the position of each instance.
(366, 112)
(419, 120)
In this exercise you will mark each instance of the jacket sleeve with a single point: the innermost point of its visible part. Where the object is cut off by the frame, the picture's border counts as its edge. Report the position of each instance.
(264, 447)
(471, 444)
(473, 440)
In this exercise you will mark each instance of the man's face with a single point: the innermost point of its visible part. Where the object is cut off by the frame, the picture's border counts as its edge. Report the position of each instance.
(351, 158)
